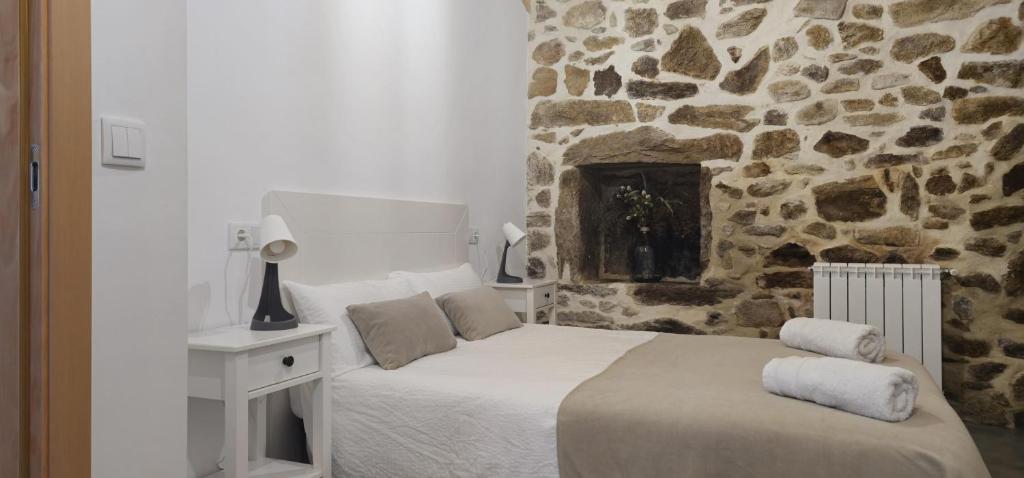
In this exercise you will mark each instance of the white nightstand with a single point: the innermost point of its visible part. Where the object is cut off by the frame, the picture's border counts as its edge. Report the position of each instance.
(235, 365)
(529, 298)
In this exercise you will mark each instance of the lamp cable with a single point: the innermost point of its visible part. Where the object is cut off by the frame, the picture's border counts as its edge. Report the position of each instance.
(482, 260)
(250, 246)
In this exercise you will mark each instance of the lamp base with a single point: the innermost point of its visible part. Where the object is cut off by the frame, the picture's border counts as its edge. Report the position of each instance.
(270, 305)
(504, 277)
(274, 324)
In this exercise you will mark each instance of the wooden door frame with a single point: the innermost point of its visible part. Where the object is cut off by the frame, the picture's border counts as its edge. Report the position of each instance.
(46, 252)
(13, 227)
(68, 247)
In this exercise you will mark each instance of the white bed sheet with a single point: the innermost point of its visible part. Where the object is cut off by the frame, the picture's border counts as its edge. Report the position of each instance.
(487, 408)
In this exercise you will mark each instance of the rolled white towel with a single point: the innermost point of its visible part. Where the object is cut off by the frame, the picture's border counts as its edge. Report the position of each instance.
(835, 338)
(876, 391)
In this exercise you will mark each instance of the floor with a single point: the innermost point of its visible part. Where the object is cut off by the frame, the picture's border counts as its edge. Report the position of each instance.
(1002, 449)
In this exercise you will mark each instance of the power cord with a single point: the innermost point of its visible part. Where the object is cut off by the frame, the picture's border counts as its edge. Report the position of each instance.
(250, 243)
(481, 258)
(248, 273)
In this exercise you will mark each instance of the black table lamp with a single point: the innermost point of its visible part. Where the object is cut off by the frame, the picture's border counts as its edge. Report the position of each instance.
(276, 245)
(513, 236)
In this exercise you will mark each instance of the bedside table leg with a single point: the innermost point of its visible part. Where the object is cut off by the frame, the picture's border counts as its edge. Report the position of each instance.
(321, 420)
(321, 446)
(260, 450)
(236, 417)
(531, 307)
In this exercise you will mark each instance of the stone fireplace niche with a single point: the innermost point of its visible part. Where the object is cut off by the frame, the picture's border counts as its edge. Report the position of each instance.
(598, 242)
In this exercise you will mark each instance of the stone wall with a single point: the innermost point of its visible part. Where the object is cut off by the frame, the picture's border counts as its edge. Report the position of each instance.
(860, 131)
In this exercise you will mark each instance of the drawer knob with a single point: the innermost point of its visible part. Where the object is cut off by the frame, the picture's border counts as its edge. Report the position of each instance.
(288, 361)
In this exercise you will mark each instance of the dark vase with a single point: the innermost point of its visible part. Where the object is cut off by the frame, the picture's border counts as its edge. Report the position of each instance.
(644, 268)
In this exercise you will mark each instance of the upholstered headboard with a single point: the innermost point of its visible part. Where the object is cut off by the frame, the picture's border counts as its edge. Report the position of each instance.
(345, 238)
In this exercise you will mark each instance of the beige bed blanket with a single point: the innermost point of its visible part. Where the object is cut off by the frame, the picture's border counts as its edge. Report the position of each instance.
(693, 406)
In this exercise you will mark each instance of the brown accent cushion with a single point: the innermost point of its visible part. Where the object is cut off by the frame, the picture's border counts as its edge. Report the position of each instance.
(478, 313)
(402, 330)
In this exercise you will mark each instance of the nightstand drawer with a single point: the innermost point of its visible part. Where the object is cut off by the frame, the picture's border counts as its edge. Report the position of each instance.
(284, 361)
(544, 296)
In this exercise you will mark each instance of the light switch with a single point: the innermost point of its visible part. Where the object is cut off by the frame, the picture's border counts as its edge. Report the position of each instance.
(119, 141)
(124, 142)
(136, 143)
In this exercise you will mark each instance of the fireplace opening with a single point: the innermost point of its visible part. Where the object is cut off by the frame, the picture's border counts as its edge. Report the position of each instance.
(676, 234)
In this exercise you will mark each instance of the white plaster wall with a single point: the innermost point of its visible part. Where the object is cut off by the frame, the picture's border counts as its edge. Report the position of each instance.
(139, 244)
(405, 99)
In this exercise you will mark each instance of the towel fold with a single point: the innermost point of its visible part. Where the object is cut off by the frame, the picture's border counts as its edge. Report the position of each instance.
(876, 391)
(835, 338)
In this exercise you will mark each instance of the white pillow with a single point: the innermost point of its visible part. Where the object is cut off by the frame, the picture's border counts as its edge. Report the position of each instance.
(326, 305)
(440, 283)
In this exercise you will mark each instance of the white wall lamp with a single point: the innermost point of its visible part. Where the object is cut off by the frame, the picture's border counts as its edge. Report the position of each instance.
(277, 244)
(513, 236)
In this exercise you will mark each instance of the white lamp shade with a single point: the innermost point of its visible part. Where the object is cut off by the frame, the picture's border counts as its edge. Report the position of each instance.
(513, 233)
(276, 241)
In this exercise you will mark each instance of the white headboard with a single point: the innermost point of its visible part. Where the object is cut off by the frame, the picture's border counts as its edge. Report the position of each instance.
(345, 238)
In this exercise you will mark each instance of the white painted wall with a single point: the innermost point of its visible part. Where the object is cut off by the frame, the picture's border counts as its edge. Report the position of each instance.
(139, 244)
(406, 99)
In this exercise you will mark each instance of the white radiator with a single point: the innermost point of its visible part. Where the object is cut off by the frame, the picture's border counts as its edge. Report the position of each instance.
(902, 300)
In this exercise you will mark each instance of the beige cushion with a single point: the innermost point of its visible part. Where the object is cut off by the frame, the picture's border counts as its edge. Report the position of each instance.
(402, 330)
(478, 313)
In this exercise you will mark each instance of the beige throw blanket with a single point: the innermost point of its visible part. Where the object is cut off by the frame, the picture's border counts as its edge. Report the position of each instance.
(693, 406)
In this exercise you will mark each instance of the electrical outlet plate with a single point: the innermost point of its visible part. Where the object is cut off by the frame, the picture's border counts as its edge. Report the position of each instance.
(241, 229)
(474, 236)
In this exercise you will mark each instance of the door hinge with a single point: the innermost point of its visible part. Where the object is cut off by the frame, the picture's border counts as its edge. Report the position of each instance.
(34, 177)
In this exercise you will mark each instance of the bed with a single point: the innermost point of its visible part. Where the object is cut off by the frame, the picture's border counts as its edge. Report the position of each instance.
(487, 408)
(492, 408)
(548, 401)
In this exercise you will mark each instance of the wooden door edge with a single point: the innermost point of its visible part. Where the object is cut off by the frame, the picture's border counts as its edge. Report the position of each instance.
(60, 117)
(36, 71)
(69, 248)
(25, 238)
(36, 80)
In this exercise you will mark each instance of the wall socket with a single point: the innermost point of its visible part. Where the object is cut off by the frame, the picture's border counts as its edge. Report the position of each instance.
(474, 236)
(238, 231)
